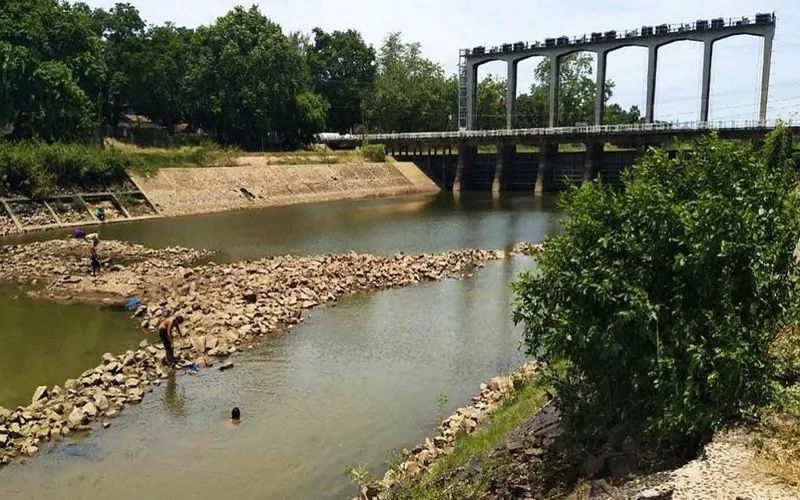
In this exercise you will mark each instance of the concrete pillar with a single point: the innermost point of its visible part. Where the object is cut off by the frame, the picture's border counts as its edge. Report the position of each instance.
(472, 95)
(762, 112)
(599, 104)
(652, 63)
(554, 63)
(708, 47)
(544, 174)
(466, 159)
(505, 159)
(593, 161)
(511, 94)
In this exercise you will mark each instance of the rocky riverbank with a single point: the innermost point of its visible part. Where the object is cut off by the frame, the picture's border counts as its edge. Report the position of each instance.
(464, 420)
(225, 306)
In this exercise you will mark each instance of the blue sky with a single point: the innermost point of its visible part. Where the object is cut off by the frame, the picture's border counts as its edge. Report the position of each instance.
(444, 26)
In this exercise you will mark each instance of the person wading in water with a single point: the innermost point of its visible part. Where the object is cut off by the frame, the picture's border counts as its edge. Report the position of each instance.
(165, 330)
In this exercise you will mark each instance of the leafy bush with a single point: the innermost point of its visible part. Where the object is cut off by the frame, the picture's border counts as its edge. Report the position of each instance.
(373, 152)
(664, 297)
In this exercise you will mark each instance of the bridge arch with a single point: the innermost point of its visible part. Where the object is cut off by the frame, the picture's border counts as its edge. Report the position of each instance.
(678, 81)
(734, 88)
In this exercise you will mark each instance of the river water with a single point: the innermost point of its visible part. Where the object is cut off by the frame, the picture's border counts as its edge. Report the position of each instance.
(352, 383)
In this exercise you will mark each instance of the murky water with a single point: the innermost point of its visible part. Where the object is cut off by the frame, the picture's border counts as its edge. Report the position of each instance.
(424, 223)
(42, 343)
(347, 386)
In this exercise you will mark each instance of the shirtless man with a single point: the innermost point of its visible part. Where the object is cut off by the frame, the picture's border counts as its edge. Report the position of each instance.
(165, 330)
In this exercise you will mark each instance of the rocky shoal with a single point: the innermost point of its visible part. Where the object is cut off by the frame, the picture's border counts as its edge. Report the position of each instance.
(464, 420)
(225, 306)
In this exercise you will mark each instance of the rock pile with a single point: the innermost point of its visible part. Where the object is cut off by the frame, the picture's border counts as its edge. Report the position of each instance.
(63, 265)
(225, 307)
(98, 394)
(528, 248)
(464, 420)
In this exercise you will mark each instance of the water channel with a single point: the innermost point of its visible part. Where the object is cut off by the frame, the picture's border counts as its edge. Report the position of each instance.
(349, 385)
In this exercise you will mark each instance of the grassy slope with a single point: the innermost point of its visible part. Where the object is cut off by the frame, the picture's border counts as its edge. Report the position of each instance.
(508, 417)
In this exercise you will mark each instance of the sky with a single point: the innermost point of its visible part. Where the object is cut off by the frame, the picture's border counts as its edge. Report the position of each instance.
(442, 27)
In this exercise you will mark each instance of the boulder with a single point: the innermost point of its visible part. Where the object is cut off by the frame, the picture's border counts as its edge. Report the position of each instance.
(75, 418)
(4, 440)
(39, 394)
(90, 409)
(101, 401)
(227, 365)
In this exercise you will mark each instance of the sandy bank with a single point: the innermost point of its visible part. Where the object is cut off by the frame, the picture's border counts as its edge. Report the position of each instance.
(254, 183)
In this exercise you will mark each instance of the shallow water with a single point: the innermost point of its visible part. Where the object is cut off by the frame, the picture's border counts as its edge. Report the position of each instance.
(424, 223)
(350, 384)
(43, 343)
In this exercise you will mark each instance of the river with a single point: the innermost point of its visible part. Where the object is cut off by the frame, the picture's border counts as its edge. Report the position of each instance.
(349, 385)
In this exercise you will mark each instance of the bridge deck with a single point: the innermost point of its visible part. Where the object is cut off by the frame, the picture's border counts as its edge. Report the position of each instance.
(628, 134)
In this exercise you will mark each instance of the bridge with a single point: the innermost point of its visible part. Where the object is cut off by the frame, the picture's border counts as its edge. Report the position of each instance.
(636, 136)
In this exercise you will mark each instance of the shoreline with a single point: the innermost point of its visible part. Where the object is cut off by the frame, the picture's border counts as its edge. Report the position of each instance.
(226, 307)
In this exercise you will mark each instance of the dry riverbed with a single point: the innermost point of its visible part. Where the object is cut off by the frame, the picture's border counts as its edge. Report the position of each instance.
(226, 307)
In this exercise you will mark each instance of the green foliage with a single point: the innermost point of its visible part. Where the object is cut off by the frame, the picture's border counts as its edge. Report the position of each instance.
(665, 297)
(51, 68)
(342, 69)
(373, 152)
(411, 92)
(34, 168)
(576, 96)
(248, 82)
(509, 416)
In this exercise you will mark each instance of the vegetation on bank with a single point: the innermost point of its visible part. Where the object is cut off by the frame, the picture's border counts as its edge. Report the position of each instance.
(38, 169)
(666, 298)
(671, 310)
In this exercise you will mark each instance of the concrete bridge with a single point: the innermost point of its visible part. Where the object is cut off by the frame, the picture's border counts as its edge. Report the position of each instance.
(462, 146)
(634, 137)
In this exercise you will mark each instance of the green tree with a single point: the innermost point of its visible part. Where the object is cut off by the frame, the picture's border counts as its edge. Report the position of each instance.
(159, 75)
(247, 81)
(492, 103)
(342, 69)
(664, 297)
(411, 92)
(51, 66)
(123, 31)
(576, 96)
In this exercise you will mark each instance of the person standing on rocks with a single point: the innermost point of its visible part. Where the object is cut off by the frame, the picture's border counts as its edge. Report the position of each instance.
(95, 261)
(165, 330)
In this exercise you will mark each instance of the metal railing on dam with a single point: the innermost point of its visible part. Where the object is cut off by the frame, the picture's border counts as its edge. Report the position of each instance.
(632, 129)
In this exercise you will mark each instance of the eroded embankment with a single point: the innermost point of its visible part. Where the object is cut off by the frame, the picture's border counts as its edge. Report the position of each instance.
(225, 307)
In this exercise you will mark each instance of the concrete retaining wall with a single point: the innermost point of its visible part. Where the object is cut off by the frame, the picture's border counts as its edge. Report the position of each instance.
(181, 191)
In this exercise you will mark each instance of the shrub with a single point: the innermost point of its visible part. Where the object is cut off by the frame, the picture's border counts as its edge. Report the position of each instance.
(373, 152)
(35, 168)
(664, 297)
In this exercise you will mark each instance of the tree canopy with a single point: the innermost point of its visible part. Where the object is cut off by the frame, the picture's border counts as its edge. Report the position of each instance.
(70, 72)
(664, 298)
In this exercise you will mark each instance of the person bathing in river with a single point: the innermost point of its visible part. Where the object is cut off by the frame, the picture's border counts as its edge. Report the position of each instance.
(165, 330)
(236, 417)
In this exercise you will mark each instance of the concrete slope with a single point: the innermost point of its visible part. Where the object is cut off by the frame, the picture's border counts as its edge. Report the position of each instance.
(190, 190)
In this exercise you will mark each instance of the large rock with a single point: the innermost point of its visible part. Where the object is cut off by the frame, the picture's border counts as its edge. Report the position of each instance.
(90, 409)
(76, 418)
(39, 394)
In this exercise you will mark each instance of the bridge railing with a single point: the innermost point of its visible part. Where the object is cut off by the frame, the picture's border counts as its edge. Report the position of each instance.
(582, 130)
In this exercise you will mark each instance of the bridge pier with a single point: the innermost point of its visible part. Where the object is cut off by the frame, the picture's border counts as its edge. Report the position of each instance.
(593, 161)
(544, 174)
(464, 165)
(505, 158)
